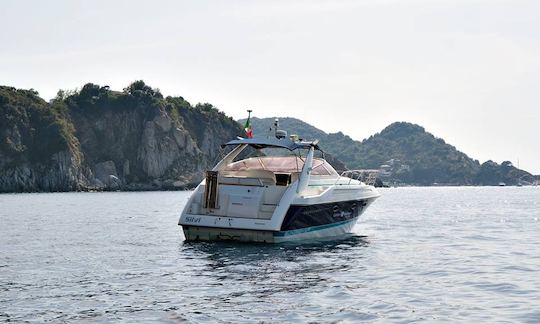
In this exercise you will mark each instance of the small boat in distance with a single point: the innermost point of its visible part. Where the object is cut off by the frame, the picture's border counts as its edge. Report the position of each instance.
(274, 197)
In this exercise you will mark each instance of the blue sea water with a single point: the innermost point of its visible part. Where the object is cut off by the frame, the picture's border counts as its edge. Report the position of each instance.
(418, 254)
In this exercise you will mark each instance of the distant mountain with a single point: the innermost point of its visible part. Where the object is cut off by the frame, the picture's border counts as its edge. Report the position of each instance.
(416, 156)
(137, 139)
(405, 153)
(97, 138)
(262, 127)
(492, 173)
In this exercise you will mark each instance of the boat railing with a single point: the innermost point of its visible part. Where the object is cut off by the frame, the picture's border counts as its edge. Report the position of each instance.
(366, 176)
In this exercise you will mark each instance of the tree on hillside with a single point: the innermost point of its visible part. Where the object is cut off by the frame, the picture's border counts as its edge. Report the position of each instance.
(139, 88)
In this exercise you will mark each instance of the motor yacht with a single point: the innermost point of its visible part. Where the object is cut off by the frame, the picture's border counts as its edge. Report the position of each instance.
(273, 197)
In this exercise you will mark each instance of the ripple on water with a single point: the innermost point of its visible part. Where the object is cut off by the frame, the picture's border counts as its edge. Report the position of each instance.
(419, 254)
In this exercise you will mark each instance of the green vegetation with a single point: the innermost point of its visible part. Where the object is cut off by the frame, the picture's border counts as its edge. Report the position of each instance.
(407, 153)
(491, 173)
(146, 140)
(30, 128)
(428, 159)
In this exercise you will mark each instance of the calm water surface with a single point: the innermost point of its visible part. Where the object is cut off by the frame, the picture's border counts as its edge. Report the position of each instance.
(432, 254)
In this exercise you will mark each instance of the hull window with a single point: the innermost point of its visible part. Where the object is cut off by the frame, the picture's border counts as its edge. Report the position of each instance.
(321, 214)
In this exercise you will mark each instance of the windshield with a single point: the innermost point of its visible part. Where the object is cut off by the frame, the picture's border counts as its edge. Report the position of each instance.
(281, 164)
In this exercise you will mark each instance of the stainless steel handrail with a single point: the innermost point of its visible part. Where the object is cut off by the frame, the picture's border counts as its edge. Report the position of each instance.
(358, 175)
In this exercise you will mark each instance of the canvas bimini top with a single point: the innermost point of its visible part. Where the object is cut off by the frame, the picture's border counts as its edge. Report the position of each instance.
(282, 164)
(260, 143)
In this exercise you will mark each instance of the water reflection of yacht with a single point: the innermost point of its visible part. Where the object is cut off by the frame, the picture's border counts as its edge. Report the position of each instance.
(274, 198)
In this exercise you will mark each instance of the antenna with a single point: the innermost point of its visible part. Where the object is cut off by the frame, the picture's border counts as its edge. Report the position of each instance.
(278, 132)
(270, 129)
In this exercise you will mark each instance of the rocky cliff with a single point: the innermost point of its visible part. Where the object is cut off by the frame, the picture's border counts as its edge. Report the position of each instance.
(136, 139)
(101, 139)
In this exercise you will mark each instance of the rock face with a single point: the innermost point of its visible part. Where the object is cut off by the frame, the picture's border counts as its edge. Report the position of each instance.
(106, 175)
(98, 139)
(106, 140)
(36, 151)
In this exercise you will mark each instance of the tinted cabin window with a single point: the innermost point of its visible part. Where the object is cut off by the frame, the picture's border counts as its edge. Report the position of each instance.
(283, 179)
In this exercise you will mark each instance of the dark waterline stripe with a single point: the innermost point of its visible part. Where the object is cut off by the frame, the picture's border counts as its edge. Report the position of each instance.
(313, 228)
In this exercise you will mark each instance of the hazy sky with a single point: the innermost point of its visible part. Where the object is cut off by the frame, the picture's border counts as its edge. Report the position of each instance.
(466, 70)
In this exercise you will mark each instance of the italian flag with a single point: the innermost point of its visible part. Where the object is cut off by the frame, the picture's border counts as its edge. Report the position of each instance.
(248, 129)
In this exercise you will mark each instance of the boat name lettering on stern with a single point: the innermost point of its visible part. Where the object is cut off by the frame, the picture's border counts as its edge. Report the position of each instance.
(191, 219)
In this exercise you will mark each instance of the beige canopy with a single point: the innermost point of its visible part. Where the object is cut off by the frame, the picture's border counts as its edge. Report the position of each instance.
(281, 164)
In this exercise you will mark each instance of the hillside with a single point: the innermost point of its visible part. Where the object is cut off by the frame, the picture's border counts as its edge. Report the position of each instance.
(492, 174)
(261, 127)
(416, 156)
(405, 153)
(97, 138)
(137, 139)
(37, 147)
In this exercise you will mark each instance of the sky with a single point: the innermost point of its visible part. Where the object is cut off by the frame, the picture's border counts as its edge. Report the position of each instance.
(466, 70)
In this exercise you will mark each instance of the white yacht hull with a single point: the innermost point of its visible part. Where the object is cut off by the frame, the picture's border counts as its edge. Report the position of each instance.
(195, 233)
(274, 199)
(294, 218)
